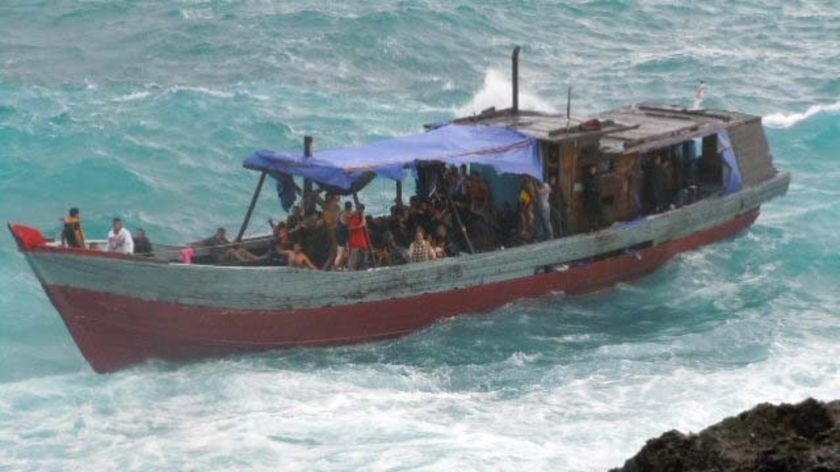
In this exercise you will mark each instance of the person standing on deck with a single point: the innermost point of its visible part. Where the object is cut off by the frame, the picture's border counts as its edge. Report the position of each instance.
(72, 235)
(359, 241)
(330, 215)
(119, 239)
(526, 212)
(543, 191)
(592, 199)
(342, 234)
(699, 95)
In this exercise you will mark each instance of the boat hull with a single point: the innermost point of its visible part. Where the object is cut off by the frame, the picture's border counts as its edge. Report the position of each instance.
(115, 330)
(123, 309)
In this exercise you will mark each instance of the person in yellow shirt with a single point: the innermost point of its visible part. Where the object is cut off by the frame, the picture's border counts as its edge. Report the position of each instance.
(526, 212)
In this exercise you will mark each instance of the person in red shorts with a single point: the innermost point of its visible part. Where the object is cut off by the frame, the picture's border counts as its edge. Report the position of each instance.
(359, 240)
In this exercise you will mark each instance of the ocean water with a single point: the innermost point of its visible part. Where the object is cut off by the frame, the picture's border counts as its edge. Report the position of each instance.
(144, 109)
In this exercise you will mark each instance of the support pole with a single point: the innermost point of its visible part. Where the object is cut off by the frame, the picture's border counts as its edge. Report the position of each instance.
(399, 199)
(308, 197)
(515, 79)
(251, 206)
(461, 224)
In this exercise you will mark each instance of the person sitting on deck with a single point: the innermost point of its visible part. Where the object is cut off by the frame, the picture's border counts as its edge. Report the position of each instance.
(442, 243)
(421, 250)
(390, 253)
(280, 244)
(142, 245)
(592, 199)
(216, 243)
(186, 254)
(298, 259)
(237, 253)
(359, 239)
(221, 249)
(72, 235)
(119, 239)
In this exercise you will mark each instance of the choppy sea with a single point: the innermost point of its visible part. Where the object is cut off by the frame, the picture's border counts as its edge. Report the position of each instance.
(145, 109)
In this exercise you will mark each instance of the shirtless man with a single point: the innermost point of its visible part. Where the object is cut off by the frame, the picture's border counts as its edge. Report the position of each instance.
(298, 259)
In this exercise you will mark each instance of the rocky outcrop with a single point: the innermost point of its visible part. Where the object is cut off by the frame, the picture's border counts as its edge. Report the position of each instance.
(803, 437)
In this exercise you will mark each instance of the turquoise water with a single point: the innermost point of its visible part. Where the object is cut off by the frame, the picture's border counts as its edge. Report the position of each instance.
(144, 109)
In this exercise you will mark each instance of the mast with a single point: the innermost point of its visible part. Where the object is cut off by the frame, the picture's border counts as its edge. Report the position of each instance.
(308, 197)
(515, 79)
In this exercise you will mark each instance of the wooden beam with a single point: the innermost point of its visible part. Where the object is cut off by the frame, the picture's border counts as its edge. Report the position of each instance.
(251, 206)
(308, 199)
(461, 224)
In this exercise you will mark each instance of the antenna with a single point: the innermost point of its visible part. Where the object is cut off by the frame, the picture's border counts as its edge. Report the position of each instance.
(515, 78)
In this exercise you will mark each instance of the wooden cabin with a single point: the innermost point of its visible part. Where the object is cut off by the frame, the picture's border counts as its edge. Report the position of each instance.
(621, 142)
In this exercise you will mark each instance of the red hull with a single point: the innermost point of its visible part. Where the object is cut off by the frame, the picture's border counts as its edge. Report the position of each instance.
(114, 331)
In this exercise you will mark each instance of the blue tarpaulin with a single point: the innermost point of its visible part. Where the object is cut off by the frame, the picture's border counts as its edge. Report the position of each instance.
(505, 150)
(733, 182)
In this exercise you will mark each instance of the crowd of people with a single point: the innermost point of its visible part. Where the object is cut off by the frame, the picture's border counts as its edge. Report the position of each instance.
(454, 215)
(451, 214)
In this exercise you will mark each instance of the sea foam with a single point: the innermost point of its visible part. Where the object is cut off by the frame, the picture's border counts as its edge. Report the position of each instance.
(786, 120)
(496, 92)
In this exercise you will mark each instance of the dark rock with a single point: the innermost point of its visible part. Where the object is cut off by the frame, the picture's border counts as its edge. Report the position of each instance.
(784, 438)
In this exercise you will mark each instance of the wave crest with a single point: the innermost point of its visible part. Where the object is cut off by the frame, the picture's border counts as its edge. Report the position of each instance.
(786, 120)
(496, 92)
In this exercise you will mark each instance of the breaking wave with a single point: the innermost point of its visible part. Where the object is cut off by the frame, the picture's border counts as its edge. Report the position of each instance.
(786, 120)
(496, 92)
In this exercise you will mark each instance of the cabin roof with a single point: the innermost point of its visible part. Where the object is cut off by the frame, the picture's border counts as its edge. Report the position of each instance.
(632, 129)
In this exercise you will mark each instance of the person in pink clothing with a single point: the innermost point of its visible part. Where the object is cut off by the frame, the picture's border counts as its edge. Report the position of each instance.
(186, 255)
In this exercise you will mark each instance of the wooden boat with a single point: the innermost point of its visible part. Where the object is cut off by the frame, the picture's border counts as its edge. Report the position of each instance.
(124, 309)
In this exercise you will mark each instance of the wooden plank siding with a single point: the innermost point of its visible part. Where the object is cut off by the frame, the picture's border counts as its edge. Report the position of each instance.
(752, 152)
(277, 288)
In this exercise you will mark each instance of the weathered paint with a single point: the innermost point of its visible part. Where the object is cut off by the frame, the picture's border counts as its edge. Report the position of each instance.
(113, 331)
(122, 309)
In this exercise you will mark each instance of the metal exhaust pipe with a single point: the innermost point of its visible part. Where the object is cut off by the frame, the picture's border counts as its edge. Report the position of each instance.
(515, 78)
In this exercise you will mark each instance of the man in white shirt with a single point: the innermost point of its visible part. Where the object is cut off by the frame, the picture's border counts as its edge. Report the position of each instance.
(119, 239)
(544, 206)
